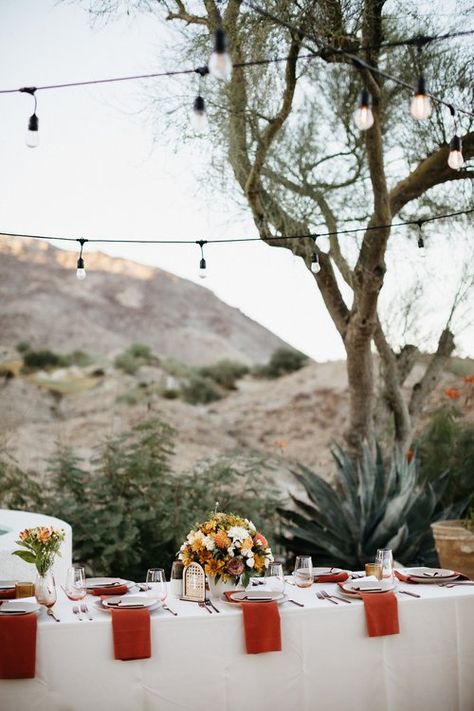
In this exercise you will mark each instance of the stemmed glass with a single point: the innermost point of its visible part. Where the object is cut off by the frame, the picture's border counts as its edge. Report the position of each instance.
(385, 558)
(275, 571)
(156, 584)
(75, 587)
(303, 572)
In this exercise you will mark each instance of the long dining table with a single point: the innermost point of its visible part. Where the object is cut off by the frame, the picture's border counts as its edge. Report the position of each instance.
(199, 662)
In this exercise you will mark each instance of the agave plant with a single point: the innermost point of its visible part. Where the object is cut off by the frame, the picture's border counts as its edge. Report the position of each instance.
(371, 506)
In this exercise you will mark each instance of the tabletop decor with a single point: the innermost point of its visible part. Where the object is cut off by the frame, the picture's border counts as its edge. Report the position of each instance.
(194, 583)
(229, 548)
(42, 544)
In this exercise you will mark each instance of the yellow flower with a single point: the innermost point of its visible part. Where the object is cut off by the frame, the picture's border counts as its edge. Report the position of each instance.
(259, 564)
(246, 545)
(214, 567)
(222, 540)
(197, 545)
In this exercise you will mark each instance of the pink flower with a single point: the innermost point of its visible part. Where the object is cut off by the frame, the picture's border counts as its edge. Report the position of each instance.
(262, 540)
(235, 566)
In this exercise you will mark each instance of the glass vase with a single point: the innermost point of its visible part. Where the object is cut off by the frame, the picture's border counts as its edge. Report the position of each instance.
(45, 589)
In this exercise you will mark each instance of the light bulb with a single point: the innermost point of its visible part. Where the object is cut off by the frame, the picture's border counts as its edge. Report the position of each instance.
(202, 269)
(199, 115)
(315, 265)
(32, 135)
(420, 104)
(421, 247)
(80, 271)
(455, 158)
(220, 63)
(363, 116)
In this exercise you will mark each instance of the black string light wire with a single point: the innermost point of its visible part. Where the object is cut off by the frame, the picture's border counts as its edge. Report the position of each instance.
(315, 264)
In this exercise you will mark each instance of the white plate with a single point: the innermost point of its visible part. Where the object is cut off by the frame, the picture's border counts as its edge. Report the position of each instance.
(326, 571)
(107, 582)
(350, 588)
(429, 574)
(17, 607)
(129, 602)
(241, 596)
(7, 584)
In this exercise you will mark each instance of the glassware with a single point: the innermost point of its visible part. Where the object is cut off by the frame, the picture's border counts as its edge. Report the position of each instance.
(24, 590)
(176, 578)
(385, 558)
(374, 569)
(45, 589)
(75, 587)
(275, 572)
(156, 584)
(303, 572)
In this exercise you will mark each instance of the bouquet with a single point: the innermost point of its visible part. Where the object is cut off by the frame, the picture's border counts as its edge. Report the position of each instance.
(227, 547)
(42, 544)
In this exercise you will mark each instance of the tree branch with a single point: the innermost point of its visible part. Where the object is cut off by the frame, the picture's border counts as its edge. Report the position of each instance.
(425, 386)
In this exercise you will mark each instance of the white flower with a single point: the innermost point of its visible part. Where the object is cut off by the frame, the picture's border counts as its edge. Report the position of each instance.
(209, 543)
(250, 525)
(250, 562)
(180, 557)
(230, 551)
(267, 562)
(238, 533)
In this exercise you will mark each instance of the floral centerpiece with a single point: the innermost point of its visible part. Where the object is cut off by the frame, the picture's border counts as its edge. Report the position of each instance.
(228, 547)
(41, 545)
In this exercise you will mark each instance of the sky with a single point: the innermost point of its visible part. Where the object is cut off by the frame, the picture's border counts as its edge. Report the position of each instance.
(98, 172)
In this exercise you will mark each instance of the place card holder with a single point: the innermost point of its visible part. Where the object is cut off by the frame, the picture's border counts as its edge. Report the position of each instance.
(194, 583)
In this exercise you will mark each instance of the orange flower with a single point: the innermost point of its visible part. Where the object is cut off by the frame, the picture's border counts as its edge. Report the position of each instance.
(281, 444)
(222, 540)
(469, 379)
(452, 393)
(214, 567)
(259, 564)
(409, 455)
(44, 534)
(197, 545)
(246, 546)
(24, 534)
(262, 540)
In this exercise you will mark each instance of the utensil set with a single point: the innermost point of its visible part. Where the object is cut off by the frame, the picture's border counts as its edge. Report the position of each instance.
(207, 605)
(335, 599)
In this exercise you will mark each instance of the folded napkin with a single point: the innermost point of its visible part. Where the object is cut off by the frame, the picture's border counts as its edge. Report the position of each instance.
(8, 594)
(131, 631)
(18, 646)
(406, 578)
(261, 627)
(332, 577)
(381, 613)
(109, 590)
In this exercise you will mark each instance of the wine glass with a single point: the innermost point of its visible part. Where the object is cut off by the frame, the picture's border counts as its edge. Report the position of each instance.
(303, 572)
(75, 587)
(385, 558)
(275, 571)
(176, 578)
(156, 584)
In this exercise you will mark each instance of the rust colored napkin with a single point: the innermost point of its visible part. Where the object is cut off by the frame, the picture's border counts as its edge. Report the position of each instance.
(18, 646)
(262, 627)
(111, 590)
(332, 578)
(8, 594)
(407, 579)
(131, 630)
(381, 613)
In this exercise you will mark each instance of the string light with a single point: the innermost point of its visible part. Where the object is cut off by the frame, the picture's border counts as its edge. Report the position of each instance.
(220, 63)
(202, 261)
(315, 265)
(80, 270)
(32, 135)
(363, 116)
(455, 158)
(199, 115)
(421, 241)
(420, 104)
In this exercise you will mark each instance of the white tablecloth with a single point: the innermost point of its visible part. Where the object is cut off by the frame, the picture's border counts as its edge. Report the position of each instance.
(199, 663)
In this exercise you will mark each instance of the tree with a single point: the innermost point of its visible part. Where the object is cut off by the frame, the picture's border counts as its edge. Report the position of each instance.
(287, 132)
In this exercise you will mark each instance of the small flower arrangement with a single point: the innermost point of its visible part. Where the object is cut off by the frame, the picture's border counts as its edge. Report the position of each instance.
(42, 545)
(228, 547)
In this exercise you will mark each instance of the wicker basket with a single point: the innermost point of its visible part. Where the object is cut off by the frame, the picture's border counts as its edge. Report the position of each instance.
(455, 546)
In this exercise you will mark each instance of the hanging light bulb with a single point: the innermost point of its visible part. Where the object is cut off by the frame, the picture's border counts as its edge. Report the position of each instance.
(199, 116)
(202, 268)
(80, 270)
(32, 135)
(455, 158)
(420, 104)
(315, 265)
(421, 241)
(220, 63)
(363, 116)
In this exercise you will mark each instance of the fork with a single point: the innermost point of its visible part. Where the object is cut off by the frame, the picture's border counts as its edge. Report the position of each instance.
(209, 602)
(76, 611)
(86, 610)
(168, 609)
(203, 604)
(336, 597)
(323, 597)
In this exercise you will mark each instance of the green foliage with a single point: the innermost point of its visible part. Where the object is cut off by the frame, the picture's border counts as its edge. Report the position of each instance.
(42, 360)
(79, 358)
(23, 347)
(372, 506)
(200, 390)
(18, 490)
(225, 373)
(136, 355)
(447, 445)
(283, 361)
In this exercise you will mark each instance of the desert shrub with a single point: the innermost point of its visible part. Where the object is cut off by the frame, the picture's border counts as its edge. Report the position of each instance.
(18, 489)
(225, 373)
(283, 361)
(23, 347)
(79, 358)
(200, 390)
(373, 505)
(447, 445)
(136, 355)
(42, 360)
(170, 393)
(140, 350)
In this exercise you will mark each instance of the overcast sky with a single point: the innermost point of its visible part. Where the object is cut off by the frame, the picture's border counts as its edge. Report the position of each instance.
(98, 171)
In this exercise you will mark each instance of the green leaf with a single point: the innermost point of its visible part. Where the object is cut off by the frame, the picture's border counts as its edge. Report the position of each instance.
(26, 556)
